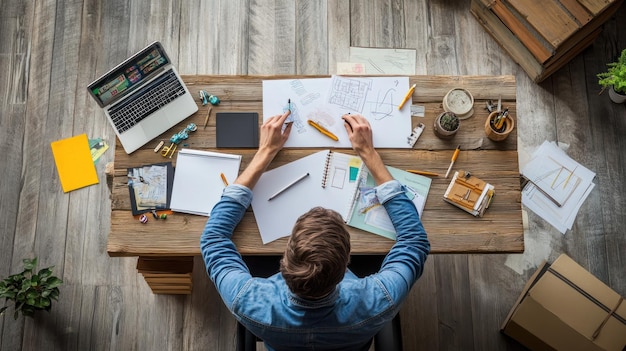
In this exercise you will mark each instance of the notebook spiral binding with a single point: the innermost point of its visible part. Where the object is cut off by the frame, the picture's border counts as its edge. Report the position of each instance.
(329, 157)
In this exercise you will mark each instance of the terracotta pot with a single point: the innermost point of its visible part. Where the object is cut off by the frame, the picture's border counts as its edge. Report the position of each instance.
(509, 124)
(441, 132)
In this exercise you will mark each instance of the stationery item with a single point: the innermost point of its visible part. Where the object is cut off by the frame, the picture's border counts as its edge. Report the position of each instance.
(288, 186)
(369, 215)
(454, 156)
(415, 134)
(143, 97)
(97, 148)
(224, 180)
(556, 185)
(197, 182)
(334, 182)
(237, 129)
(208, 114)
(75, 166)
(469, 193)
(325, 100)
(407, 96)
(425, 173)
(382, 61)
(323, 130)
(150, 187)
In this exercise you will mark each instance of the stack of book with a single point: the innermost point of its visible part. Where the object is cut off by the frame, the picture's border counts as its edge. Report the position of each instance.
(469, 193)
(542, 36)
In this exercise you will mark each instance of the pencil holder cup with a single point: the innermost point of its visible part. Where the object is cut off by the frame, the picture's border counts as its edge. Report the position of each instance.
(501, 133)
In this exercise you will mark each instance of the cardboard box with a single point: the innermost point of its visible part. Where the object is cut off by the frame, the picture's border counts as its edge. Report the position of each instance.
(564, 307)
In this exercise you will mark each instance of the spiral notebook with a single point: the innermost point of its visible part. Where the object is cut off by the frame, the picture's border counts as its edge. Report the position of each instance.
(333, 182)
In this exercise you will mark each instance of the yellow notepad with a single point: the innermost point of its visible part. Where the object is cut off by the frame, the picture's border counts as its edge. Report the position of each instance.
(74, 164)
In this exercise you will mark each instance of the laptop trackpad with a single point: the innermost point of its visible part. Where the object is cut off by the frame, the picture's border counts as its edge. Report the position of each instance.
(152, 130)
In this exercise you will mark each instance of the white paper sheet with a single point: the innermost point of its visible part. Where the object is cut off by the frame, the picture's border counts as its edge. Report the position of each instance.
(198, 185)
(563, 178)
(325, 100)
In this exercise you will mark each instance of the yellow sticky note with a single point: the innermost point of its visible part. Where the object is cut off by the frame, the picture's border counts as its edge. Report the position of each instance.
(74, 164)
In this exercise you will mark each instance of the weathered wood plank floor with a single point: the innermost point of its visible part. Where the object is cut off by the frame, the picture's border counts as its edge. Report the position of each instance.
(50, 50)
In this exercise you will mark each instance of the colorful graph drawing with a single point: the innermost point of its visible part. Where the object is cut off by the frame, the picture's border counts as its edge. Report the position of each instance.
(349, 93)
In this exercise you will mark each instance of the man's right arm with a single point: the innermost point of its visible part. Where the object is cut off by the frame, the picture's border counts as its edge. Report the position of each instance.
(404, 263)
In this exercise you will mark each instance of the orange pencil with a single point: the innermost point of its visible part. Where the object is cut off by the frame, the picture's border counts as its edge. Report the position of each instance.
(425, 173)
(323, 130)
(454, 156)
(224, 179)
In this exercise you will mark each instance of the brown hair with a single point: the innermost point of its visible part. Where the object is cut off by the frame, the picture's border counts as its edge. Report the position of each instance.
(317, 254)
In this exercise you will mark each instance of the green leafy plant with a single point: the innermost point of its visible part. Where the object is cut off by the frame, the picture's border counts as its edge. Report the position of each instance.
(29, 291)
(449, 121)
(615, 76)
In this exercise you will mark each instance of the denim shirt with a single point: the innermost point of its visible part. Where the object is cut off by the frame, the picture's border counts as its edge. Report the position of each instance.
(348, 318)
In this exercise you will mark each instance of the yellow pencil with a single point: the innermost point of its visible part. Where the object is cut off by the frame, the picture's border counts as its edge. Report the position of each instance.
(407, 96)
(425, 173)
(323, 130)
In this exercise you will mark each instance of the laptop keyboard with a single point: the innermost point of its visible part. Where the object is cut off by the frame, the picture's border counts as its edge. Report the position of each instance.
(146, 101)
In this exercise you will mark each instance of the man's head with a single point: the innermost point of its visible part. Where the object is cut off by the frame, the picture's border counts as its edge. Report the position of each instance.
(317, 254)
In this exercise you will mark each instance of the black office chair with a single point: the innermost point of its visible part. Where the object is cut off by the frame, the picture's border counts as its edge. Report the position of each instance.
(388, 338)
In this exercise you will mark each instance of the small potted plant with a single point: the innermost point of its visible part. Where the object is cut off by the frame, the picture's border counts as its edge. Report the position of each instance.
(615, 79)
(30, 291)
(446, 125)
(499, 125)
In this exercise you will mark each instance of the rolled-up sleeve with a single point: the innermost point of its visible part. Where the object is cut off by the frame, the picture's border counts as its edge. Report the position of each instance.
(223, 262)
(404, 263)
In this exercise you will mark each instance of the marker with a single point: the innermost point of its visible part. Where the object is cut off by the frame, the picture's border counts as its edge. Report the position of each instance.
(454, 156)
(288, 186)
(323, 130)
(425, 173)
(224, 179)
(407, 96)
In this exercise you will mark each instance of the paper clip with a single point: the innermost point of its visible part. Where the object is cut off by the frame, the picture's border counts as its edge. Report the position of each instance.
(415, 134)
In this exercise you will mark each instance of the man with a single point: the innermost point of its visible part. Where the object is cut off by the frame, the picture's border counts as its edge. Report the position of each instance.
(315, 302)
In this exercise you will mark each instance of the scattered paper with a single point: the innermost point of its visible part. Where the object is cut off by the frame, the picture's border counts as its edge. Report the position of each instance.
(72, 157)
(553, 174)
(379, 61)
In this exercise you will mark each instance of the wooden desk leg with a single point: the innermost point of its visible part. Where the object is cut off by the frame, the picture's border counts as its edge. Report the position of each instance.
(167, 275)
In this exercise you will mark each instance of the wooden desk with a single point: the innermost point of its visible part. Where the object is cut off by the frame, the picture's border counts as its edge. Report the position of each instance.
(166, 247)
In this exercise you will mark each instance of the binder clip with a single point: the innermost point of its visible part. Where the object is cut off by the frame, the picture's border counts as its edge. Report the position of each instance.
(208, 98)
(415, 134)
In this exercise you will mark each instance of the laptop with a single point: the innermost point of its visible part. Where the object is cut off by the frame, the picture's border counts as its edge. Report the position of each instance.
(143, 97)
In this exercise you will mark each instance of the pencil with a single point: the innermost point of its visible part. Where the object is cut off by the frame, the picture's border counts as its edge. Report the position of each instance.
(288, 186)
(425, 173)
(224, 179)
(323, 130)
(208, 114)
(407, 96)
(454, 156)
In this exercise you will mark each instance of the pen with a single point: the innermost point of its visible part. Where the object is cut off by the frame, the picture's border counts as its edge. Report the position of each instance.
(288, 186)
(454, 156)
(425, 173)
(407, 96)
(323, 130)
(208, 114)
(224, 179)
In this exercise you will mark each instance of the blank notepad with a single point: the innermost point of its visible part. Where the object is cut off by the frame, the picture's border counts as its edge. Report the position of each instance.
(237, 129)
(198, 185)
(74, 163)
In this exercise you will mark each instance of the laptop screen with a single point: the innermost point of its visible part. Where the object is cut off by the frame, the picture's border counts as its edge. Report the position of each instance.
(129, 74)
